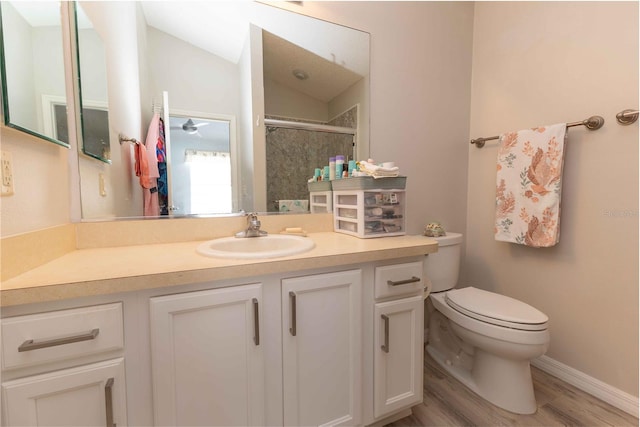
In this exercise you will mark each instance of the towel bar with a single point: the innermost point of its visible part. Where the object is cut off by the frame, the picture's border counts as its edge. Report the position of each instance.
(626, 117)
(592, 123)
(123, 138)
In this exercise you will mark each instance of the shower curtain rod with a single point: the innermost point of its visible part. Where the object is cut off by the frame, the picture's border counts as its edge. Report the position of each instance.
(592, 123)
(308, 126)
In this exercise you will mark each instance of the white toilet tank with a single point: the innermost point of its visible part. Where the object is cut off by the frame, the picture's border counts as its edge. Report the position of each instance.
(442, 268)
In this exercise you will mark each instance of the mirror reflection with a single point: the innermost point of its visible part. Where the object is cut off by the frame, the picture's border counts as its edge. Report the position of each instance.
(33, 78)
(93, 89)
(200, 164)
(213, 72)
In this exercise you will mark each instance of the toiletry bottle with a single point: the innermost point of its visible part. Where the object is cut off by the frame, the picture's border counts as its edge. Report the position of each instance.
(339, 166)
(351, 167)
(325, 173)
(332, 168)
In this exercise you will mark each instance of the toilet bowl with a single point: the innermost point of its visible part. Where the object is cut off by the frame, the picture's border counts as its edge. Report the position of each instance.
(483, 339)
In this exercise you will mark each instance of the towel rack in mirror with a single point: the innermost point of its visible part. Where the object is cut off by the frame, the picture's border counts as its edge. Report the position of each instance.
(123, 139)
(592, 123)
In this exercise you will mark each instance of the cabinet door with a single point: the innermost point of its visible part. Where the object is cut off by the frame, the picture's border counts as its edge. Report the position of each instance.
(398, 357)
(207, 361)
(322, 349)
(91, 395)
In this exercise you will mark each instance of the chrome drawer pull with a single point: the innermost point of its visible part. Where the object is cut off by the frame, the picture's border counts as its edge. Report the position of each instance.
(403, 282)
(292, 298)
(256, 322)
(385, 346)
(108, 400)
(29, 345)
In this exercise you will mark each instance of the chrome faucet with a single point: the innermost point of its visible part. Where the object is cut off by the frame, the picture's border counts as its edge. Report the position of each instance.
(253, 227)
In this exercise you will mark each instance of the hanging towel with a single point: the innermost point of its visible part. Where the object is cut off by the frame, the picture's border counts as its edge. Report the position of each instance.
(142, 165)
(161, 155)
(151, 143)
(151, 205)
(529, 183)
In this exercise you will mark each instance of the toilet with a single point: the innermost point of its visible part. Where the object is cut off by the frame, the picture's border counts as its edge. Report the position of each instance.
(483, 339)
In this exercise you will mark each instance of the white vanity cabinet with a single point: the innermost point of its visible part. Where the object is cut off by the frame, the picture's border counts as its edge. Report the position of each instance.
(398, 337)
(207, 358)
(322, 345)
(89, 395)
(337, 345)
(60, 368)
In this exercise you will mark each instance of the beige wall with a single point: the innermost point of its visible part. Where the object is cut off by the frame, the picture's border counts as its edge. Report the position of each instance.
(41, 176)
(41, 184)
(419, 99)
(538, 63)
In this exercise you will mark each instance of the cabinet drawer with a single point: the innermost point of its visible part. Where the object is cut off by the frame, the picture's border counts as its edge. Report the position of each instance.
(399, 279)
(45, 337)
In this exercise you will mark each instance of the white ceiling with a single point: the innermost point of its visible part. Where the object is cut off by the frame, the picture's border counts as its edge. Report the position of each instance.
(326, 79)
(39, 13)
(332, 55)
(218, 27)
(222, 27)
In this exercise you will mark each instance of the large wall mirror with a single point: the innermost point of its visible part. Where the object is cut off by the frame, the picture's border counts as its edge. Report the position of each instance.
(241, 90)
(33, 74)
(93, 99)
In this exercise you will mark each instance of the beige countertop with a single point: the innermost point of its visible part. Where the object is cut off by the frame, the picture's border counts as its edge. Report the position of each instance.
(105, 270)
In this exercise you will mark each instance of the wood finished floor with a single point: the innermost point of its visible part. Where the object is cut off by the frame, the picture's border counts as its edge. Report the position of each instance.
(448, 403)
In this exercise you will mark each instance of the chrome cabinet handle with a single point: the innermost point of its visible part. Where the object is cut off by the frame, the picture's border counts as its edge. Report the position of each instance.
(403, 282)
(385, 346)
(292, 298)
(256, 322)
(29, 345)
(108, 400)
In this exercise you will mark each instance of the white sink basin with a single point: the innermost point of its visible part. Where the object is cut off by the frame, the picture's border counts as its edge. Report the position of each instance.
(270, 246)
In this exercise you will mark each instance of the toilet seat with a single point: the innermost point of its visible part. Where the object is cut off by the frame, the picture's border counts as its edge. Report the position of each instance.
(496, 309)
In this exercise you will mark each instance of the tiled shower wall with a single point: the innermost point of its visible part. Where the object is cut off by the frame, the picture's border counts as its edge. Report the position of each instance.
(293, 154)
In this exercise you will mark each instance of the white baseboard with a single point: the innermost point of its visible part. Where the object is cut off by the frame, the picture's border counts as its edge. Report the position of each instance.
(613, 396)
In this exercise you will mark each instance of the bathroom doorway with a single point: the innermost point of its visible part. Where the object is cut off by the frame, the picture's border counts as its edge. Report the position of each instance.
(201, 164)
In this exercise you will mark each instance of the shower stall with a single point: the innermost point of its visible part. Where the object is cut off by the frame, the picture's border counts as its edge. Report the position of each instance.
(294, 149)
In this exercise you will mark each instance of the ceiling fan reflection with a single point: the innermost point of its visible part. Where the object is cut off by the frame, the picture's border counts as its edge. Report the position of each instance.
(190, 127)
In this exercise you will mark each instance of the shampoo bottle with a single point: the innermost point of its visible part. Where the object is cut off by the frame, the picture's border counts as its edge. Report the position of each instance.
(339, 166)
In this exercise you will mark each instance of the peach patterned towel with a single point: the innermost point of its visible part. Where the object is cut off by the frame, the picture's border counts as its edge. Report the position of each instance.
(529, 184)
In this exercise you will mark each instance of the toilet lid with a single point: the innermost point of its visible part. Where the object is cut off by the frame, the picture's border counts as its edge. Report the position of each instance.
(496, 309)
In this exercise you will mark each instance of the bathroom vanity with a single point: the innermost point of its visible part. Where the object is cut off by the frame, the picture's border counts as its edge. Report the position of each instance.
(331, 336)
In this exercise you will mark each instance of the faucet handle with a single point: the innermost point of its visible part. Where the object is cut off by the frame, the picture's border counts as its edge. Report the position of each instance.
(252, 219)
(253, 227)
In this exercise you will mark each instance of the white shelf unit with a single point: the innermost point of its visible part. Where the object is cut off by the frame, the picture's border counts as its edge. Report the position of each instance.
(369, 213)
(321, 201)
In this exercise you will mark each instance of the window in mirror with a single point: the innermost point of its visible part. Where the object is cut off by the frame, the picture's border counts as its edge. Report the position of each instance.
(92, 88)
(33, 69)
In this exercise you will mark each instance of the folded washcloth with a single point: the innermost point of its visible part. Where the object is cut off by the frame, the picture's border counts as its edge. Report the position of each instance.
(529, 183)
(376, 171)
(293, 205)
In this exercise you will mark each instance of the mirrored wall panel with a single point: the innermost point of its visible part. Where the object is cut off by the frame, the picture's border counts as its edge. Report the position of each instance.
(193, 63)
(94, 102)
(33, 69)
